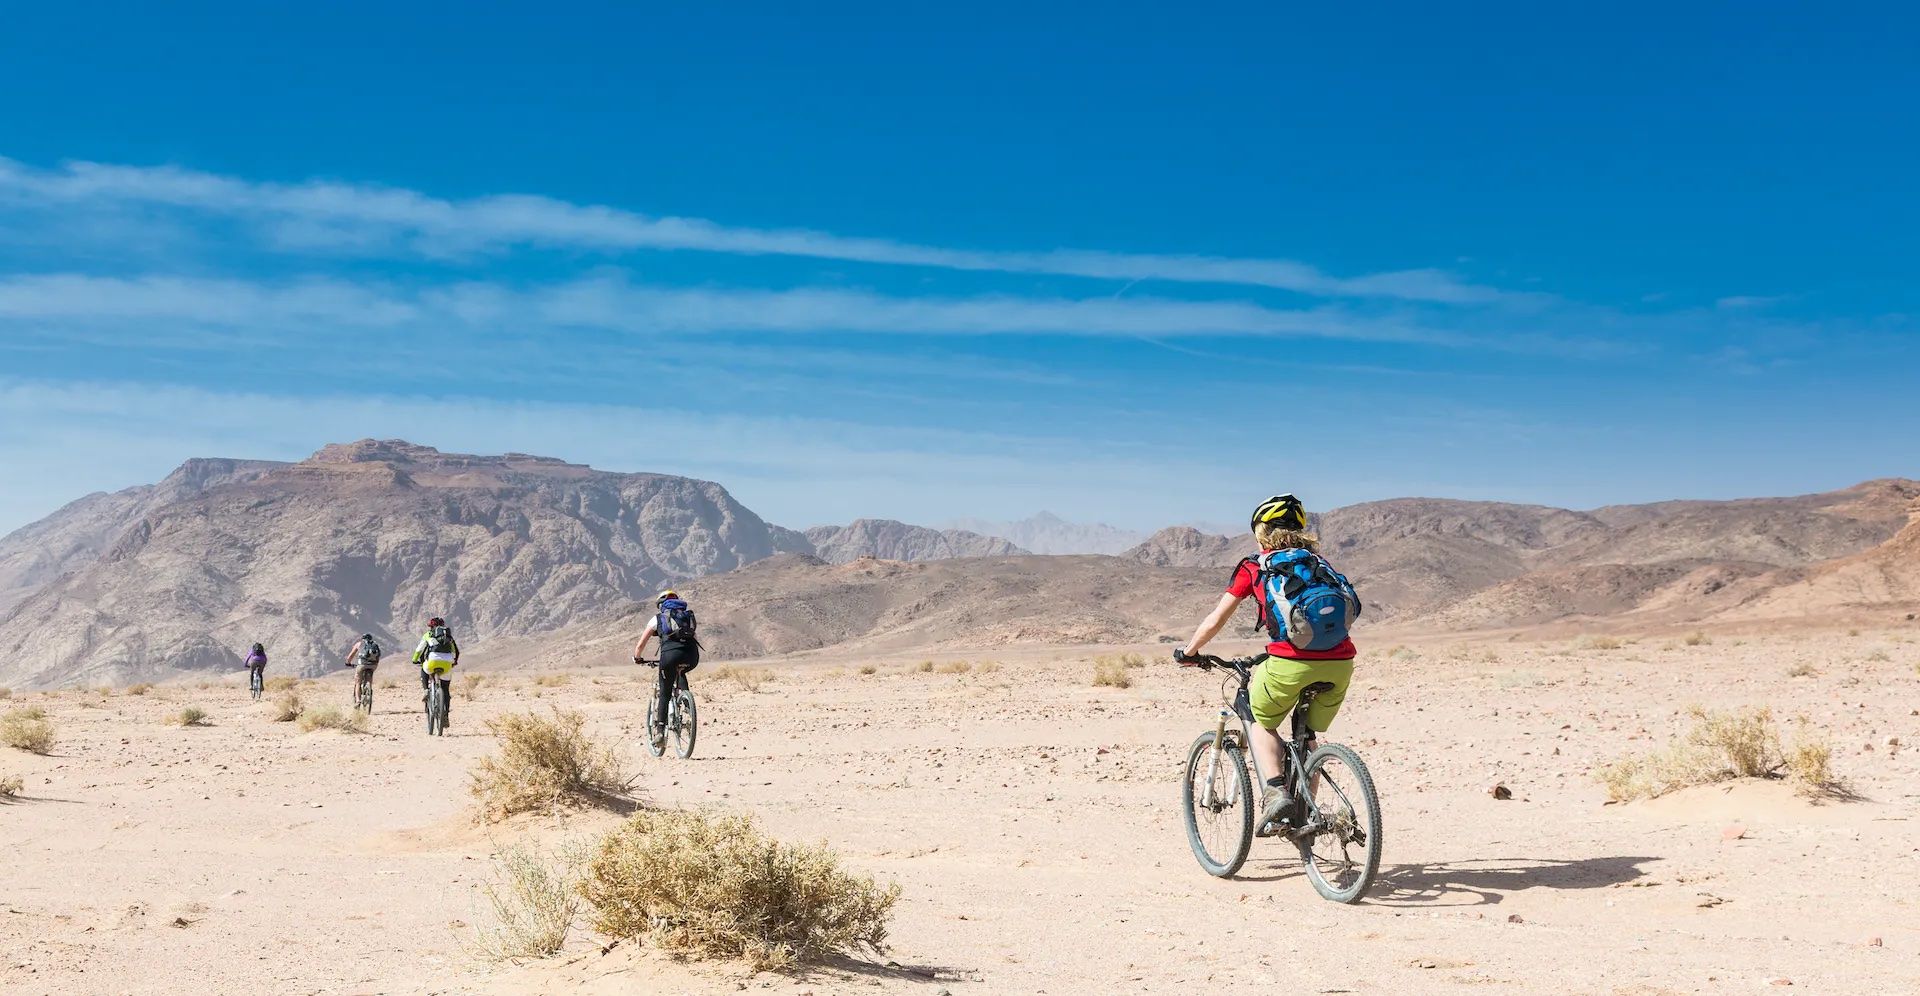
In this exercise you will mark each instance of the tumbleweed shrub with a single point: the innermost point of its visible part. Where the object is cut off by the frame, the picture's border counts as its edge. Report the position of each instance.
(954, 667)
(1698, 638)
(27, 729)
(330, 717)
(546, 763)
(535, 897)
(189, 716)
(552, 680)
(748, 678)
(986, 667)
(711, 885)
(1593, 642)
(286, 708)
(1109, 672)
(10, 786)
(1720, 746)
(141, 688)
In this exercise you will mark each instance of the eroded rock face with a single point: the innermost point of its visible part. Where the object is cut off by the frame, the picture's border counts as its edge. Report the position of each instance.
(370, 536)
(890, 540)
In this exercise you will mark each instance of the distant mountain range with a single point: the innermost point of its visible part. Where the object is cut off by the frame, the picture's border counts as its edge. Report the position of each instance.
(1047, 533)
(377, 535)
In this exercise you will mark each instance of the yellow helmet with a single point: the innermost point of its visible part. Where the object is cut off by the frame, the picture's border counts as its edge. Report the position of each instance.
(669, 593)
(1284, 511)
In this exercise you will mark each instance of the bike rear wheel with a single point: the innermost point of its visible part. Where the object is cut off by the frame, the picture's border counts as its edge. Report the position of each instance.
(1218, 800)
(436, 708)
(686, 721)
(1343, 855)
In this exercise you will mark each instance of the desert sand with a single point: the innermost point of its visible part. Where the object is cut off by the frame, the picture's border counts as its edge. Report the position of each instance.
(1031, 819)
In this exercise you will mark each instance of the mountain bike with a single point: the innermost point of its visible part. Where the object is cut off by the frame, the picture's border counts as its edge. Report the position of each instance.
(683, 718)
(437, 697)
(1335, 817)
(257, 681)
(363, 689)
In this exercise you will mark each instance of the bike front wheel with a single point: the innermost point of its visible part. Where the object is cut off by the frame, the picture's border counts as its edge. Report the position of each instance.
(1342, 854)
(686, 722)
(656, 734)
(1218, 799)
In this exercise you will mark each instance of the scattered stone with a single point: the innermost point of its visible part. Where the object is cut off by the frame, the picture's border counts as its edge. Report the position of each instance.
(1873, 942)
(1499, 791)
(1514, 918)
(1734, 832)
(1782, 981)
(1708, 901)
(1893, 742)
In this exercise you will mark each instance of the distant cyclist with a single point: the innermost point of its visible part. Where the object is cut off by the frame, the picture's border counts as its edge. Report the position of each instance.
(436, 655)
(673, 622)
(1306, 607)
(364, 656)
(256, 664)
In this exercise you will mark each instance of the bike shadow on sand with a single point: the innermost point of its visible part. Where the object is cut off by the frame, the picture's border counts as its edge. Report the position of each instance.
(847, 968)
(1488, 881)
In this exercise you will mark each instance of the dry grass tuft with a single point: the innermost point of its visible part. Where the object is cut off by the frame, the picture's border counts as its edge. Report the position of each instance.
(748, 678)
(868, 669)
(552, 680)
(27, 729)
(286, 708)
(140, 689)
(10, 786)
(189, 716)
(1698, 639)
(545, 763)
(535, 896)
(713, 886)
(1802, 669)
(329, 717)
(282, 683)
(1721, 746)
(1878, 656)
(986, 667)
(954, 667)
(469, 684)
(1591, 642)
(1111, 673)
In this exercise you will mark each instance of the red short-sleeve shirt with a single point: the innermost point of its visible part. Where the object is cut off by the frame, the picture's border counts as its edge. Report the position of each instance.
(1245, 578)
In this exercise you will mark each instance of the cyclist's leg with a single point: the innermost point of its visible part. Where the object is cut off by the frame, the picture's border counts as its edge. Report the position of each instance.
(1275, 687)
(446, 696)
(669, 677)
(425, 677)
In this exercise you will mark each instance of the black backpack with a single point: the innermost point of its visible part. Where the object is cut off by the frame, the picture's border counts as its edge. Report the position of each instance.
(369, 653)
(677, 622)
(440, 640)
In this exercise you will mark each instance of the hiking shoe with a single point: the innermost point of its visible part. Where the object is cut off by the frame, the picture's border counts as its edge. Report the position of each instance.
(1276, 802)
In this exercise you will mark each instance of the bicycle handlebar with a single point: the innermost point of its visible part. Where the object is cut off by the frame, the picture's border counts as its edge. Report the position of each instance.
(1208, 662)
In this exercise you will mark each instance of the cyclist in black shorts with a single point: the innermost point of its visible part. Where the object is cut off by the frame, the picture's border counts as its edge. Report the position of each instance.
(674, 624)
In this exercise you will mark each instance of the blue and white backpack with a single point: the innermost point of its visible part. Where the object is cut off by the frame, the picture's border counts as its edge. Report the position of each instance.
(677, 622)
(1303, 600)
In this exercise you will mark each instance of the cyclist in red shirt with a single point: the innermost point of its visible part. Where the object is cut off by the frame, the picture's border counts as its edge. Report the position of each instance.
(1280, 523)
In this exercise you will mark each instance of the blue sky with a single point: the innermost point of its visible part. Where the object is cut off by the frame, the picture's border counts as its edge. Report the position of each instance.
(1141, 267)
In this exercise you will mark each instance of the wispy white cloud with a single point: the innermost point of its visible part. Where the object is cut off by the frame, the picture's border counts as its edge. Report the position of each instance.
(611, 303)
(364, 218)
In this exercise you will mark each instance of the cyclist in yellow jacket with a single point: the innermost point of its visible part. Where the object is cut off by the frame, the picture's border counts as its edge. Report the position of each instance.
(436, 655)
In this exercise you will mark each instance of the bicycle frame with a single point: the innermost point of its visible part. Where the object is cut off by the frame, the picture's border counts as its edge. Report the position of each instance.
(1291, 745)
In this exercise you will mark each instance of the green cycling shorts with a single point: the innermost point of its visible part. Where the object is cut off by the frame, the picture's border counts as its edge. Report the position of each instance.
(1276, 686)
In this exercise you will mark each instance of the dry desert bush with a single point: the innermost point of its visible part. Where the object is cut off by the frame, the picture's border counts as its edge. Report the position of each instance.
(282, 683)
(328, 717)
(535, 896)
(545, 763)
(748, 678)
(552, 680)
(713, 886)
(1878, 656)
(1722, 746)
(27, 729)
(1592, 642)
(189, 716)
(286, 708)
(469, 684)
(10, 786)
(1109, 672)
(986, 667)
(924, 667)
(141, 688)
(868, 669)
(1802, 669)
(954, 667)
(1698, 639)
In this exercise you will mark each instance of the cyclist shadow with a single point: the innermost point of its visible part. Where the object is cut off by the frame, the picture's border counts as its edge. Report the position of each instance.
(1486, 881)
(847, 968)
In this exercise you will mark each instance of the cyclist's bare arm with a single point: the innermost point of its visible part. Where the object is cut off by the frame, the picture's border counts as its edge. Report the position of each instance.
(640, 649)
(1211, 626)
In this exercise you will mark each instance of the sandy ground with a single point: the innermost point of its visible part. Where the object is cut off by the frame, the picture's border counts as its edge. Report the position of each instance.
(1031, 820)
